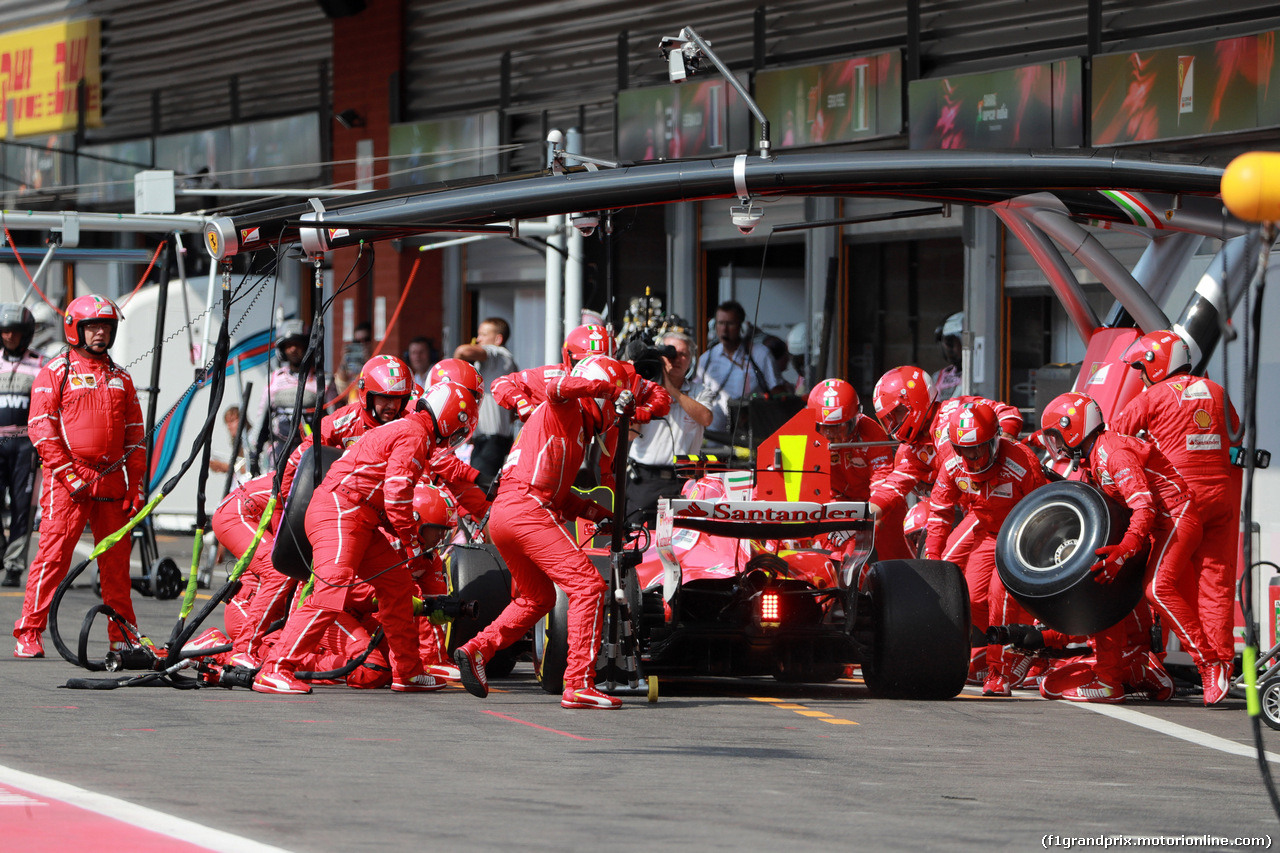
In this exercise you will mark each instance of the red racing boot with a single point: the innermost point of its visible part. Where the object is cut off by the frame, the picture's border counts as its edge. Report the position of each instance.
(28, 645)
(1147, 675)
(1096, 690)
(278, 681)
(471, 668)
(588, 697)
(421, 683)
(1216, 678)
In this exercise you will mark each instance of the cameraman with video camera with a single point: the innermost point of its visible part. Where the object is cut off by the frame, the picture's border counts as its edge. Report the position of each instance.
(655, 445)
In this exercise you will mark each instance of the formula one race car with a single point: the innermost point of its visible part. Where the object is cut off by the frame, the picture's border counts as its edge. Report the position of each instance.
(744, 579)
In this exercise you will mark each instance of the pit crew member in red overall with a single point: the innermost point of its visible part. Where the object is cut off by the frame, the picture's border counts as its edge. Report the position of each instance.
(986, 476)
(534, 500)
(19, 366)
(370, 487)
(906, 402)
(437, 516)
(1163, 513)
(522, 392)
(856, 470)
(1190, 420)
(383, 390)
(235, 522)
(86, 426)
(445, 468)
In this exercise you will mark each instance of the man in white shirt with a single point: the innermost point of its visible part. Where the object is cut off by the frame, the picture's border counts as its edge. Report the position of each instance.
(494, 431)
(733, 369)
(655, 445)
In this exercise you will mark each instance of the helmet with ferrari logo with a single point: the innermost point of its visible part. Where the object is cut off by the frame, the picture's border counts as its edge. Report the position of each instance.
(460, 372)
(904, 399)
(602, 367)
(585, 341)
(452, 411)
(834, 404)
(1068, 422)
(435, 512)
(1158, 355)
(384, 376)
(90, 309)
(975, 434)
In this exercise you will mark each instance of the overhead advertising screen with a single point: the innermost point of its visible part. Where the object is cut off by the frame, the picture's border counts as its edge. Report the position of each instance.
(1174, 92)
(858, 98)
(425, 152)
(697, 118)
(1035, 106)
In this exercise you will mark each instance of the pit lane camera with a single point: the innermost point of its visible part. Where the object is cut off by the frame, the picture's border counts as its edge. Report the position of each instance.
(746, 217)
(647, 358)
(585, 222)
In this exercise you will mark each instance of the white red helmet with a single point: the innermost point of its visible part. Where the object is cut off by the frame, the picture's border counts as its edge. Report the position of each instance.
(916, 526)
(1158, 355)
(585, 341)
(387, 376)
(904, 399)
(1068, 422)
(833, 402)
(461, 372)
(90, 309)
(453, 412)
(610, 370)
(433, 506)
(975, 433)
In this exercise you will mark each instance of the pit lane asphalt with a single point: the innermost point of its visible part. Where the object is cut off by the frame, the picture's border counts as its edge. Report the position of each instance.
(714, 764)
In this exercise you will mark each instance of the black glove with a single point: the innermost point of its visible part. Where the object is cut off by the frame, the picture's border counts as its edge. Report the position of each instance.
(255, 469)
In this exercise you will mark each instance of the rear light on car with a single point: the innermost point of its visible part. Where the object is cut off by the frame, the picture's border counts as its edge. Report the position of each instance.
(770, 613)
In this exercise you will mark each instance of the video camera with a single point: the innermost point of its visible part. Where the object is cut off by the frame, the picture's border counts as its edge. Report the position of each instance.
(647, 358)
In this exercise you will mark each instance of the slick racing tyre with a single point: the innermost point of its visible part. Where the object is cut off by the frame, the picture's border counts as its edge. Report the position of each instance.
(291, 554)
(551, 645)
(920, 623)
(476, 573)
(1046, 547)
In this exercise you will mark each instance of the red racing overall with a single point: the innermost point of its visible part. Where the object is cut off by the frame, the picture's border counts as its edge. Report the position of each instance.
(527, 525)
(85, 418)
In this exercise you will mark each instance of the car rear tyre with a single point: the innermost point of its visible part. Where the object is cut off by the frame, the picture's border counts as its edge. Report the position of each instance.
(920, 620)
(551, 645)
(477, 573)
(1046, 547)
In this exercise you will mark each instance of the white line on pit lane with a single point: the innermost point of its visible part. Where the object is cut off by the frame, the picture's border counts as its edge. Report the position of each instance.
(135, 815)
(1181, 732)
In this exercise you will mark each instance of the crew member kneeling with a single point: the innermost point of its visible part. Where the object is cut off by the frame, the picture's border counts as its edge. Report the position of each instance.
(371, 486)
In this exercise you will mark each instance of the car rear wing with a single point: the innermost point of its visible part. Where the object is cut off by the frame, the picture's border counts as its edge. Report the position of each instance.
(841, 521)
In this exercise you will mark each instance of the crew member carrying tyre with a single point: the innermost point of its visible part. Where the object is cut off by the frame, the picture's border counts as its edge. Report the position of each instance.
(534, 500)
(370, 487)
(1162, 514)
(19, 366)
(986, 476)
(855, 470)
(1191, 422)
(86, 426)
(906, 402)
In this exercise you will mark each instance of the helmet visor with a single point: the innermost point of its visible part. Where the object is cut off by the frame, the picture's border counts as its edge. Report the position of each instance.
(1058, 446)
(895, 418)
(977, 457)
(837, 433)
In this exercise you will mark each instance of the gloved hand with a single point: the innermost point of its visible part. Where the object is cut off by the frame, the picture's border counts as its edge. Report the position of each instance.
(255, 467)
(75, 484)
(132, 506)
(642, 415)
(1113, 558)
(523, 409)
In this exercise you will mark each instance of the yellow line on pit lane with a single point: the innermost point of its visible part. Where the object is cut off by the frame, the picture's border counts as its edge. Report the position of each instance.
(803, 710)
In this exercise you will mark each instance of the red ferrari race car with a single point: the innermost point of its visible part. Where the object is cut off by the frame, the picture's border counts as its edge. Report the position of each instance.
(744, 578)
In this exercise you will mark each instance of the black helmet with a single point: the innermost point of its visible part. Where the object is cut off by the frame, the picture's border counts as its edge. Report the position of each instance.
(14, 316)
